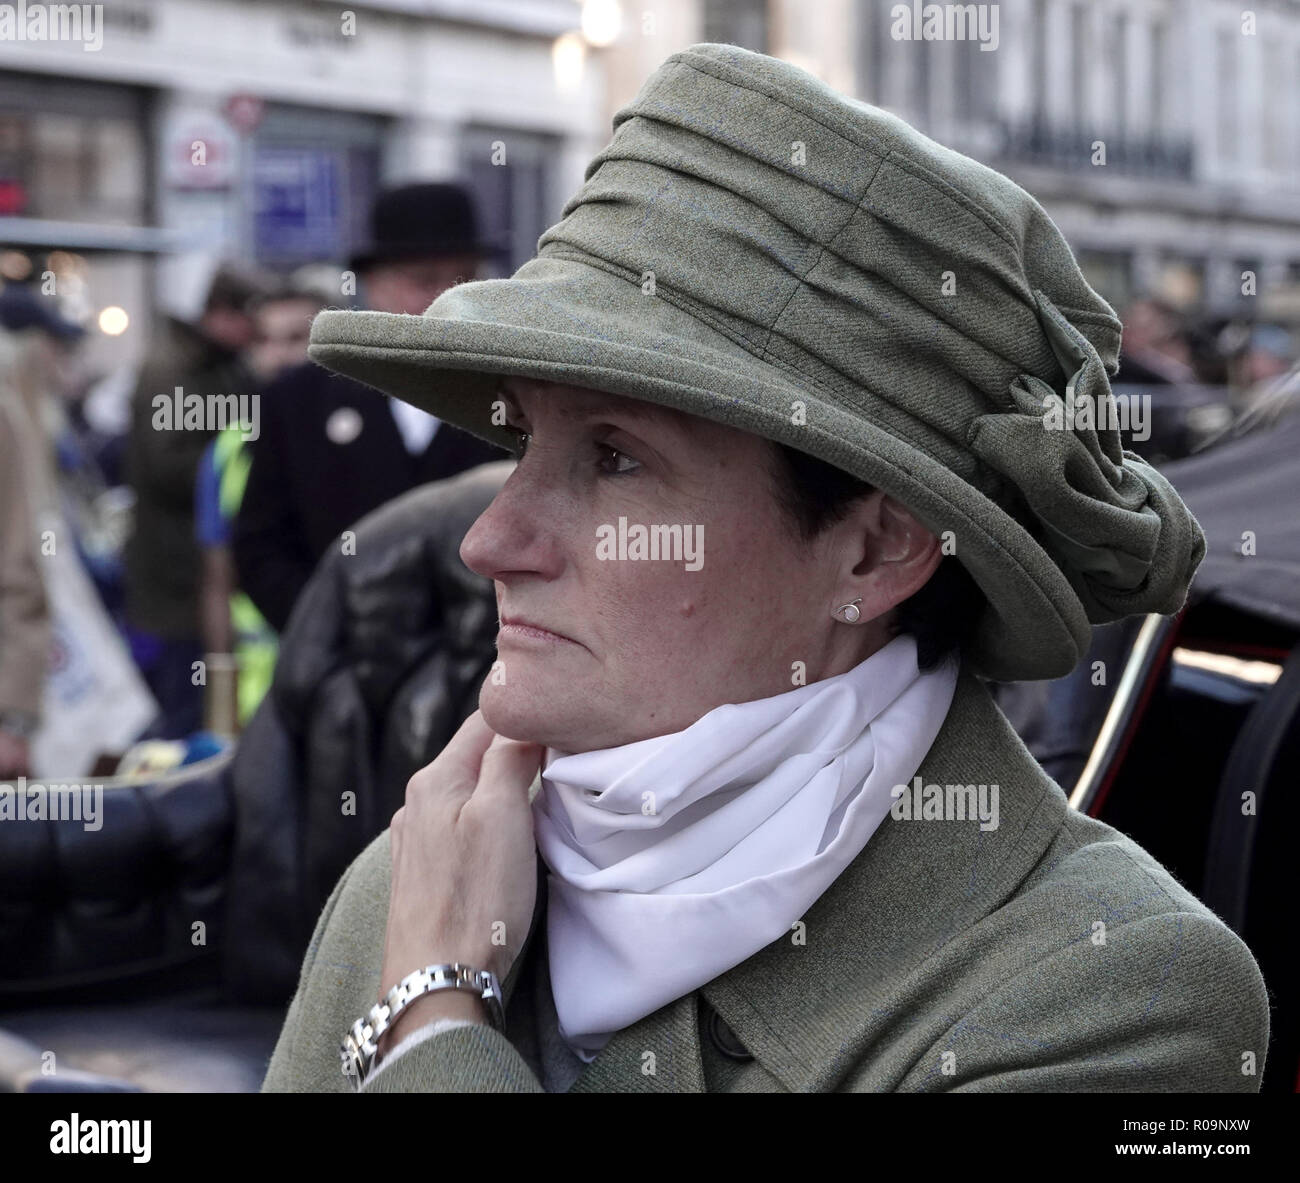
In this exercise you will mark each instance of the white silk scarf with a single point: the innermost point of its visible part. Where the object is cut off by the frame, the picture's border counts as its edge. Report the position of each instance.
(673, 859)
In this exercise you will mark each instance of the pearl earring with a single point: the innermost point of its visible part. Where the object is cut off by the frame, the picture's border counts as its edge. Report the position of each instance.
(849, 612)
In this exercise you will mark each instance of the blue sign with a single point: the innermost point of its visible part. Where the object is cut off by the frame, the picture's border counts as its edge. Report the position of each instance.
(298, 205)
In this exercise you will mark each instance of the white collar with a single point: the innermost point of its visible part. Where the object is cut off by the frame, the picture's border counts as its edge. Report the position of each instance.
(675, 858)
(417, 427)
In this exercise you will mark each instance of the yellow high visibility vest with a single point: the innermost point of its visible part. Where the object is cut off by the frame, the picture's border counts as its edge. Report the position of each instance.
(256, 645)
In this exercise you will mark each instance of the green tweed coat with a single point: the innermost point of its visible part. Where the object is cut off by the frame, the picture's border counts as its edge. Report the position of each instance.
(1049, 954)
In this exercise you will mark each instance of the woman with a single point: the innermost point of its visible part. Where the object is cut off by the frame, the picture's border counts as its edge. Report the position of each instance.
(786, 384)
(27, 359)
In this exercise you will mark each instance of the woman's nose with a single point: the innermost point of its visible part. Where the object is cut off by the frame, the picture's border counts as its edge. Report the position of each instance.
(507, 536)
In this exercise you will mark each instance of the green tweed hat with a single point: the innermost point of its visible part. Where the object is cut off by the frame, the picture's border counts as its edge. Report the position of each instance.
(757, 249)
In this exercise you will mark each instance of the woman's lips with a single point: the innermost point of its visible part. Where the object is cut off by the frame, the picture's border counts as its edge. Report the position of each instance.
(514, 629)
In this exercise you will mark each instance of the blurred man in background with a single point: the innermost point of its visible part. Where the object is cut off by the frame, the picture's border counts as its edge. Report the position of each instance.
(330, 449)
(162, 558)
(231, 623)
(281, 330)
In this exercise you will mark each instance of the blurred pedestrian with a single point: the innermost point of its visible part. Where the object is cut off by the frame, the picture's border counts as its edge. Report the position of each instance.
(34, 340)
(1155, 349)
(330, 449)
(26, 476)
(1270, 353)
(162, 558)
(69, 693)
(230, 621)
(281, 329)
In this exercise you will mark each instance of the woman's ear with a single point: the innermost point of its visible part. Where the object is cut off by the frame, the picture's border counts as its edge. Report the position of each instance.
(896, 556)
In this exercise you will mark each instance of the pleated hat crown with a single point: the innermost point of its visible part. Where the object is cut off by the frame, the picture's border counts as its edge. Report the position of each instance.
(758, 249)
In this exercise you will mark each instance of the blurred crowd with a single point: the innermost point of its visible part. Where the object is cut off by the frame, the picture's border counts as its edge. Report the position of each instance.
(1163, 346)
(148, 567)
(146, 572)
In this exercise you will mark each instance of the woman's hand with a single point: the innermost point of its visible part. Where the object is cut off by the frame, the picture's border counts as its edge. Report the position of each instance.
(464, 867)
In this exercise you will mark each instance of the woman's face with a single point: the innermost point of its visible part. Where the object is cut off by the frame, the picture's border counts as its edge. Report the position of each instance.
(599, 648)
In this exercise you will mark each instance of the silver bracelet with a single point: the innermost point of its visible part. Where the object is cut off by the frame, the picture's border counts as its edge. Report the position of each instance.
(361, 1043)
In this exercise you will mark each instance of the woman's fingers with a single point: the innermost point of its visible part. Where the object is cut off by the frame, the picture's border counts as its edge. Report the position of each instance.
(454, 771)
(478, 761)
(463, 855)
(508, 767)
(465, 749)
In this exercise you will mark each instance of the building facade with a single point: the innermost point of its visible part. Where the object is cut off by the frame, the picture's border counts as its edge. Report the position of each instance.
(260, 131)
(1163, 136)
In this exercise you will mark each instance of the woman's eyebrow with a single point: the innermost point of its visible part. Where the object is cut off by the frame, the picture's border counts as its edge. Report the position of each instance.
(644, 412)
(636, 418)
(632, 409)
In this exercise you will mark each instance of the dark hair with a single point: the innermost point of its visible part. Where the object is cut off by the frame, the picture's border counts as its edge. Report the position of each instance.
(942, 615)
(284, 291)
(235, 286)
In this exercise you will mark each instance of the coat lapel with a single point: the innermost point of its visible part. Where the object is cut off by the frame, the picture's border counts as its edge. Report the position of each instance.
(660, 1054)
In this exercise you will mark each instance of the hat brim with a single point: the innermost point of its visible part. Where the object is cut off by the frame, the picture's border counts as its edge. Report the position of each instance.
(565, 320)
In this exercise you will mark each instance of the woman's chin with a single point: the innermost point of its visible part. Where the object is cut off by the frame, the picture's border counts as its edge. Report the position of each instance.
(524, 715)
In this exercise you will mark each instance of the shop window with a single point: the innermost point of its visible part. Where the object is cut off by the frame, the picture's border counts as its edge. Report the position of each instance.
(76, 154)
(510, 176)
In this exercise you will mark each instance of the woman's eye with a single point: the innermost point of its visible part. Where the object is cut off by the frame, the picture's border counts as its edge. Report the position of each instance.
(521, 440)
(615, 462)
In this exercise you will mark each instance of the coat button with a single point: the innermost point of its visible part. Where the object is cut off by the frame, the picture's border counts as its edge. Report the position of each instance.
(724, 1039)
(344, 425)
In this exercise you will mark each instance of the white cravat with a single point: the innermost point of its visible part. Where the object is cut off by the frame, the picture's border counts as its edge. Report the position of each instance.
(417, 426)
(675, 858)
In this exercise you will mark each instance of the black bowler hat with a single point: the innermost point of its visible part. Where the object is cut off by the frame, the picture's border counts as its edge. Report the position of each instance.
(421, 221)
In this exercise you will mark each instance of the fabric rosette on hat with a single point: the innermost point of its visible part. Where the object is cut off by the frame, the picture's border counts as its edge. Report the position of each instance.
(756, 249)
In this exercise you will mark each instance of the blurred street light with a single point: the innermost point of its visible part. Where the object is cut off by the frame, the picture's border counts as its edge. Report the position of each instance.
(113, 321)
(568, 57)
(602, 21)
